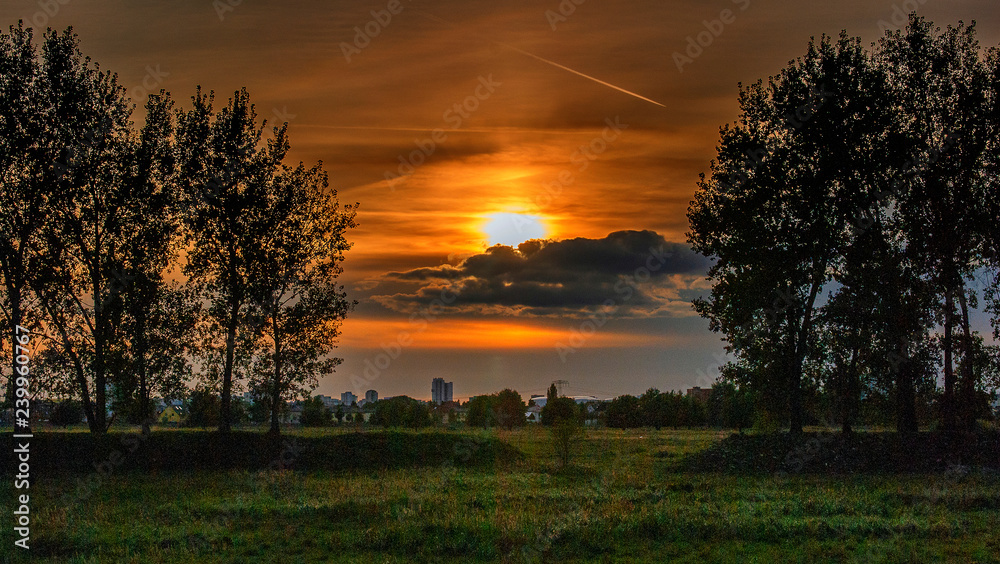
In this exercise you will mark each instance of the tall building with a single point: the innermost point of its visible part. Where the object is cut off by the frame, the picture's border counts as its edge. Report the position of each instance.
(441, 391)
(348, 398)
(371, 396)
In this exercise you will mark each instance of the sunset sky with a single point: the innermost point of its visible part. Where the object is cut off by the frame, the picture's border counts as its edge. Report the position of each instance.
(460, 124)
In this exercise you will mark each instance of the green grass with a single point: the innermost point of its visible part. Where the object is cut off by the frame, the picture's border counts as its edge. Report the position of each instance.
(622, 499)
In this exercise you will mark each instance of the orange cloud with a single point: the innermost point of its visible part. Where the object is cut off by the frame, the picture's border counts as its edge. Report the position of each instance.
(443, 333)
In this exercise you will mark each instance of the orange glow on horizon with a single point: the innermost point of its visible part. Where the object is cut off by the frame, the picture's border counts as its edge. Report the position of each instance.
(457, 333)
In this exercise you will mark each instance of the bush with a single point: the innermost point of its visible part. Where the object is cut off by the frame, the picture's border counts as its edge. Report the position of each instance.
(401, 411)
(556, 409)
(565, 431)
(315, 414)
(505, 408)
(66, 412)
(482, 412)
(203, 409)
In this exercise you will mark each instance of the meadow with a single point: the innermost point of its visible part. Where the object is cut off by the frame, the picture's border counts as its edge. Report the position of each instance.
(502, 496)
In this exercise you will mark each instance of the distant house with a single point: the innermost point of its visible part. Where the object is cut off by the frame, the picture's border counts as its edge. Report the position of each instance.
(700, 394)
(450, 412)
(294, 413)
(170, 415)
(540, 401)
(534, 413)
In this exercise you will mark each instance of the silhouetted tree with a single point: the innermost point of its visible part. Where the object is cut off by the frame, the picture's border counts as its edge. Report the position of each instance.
(790, 179)
(623, 413)
(66, 412)
(510, 409)
(401, 411)
(939, 84)
(298, 303)
(23, 154)
(315, 414)
(482, 412)
(202, 408)
(225, 176)
(557, 409)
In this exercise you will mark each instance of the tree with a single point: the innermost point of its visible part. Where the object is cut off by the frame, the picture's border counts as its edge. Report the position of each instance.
(66, 412)
(225, 178)
(655, 409)
(97, 209)
(202, 408)
(22, 154)
(504, 408)
(510, 409)
(558, 408)
(776, 211)
(159, 318)
(315, 413)
(299, 303)
(729, 407)
(340, 413)
(401, 411)
(482, 412)
(939, 82)
(623, 413)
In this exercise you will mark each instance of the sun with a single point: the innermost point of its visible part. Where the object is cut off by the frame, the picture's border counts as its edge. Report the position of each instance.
(513, 228)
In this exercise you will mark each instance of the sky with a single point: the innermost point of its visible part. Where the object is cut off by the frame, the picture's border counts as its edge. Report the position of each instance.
(458, 125)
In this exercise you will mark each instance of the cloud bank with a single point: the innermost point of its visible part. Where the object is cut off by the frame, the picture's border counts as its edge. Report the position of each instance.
(634, 273)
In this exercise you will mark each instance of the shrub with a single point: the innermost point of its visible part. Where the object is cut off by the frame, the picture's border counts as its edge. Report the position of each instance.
(315, 414)
(66, 412)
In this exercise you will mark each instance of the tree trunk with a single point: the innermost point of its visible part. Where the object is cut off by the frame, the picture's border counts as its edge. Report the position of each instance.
(967, 389)
(81, 376)
(276, 384)
(849, 393)
(145, 407)
(948, 401)
(14, 293)
(906, 420)
(795, 397)
(797, 416)
(100, 378)
(227, 373)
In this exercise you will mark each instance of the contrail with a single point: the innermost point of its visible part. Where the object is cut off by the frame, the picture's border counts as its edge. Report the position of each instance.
(553, 63)
(565, 68)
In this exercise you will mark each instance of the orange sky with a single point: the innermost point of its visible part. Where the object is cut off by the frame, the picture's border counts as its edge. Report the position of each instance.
(584, 159)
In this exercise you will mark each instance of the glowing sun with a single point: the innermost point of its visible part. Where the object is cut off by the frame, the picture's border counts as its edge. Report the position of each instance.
(513, 228)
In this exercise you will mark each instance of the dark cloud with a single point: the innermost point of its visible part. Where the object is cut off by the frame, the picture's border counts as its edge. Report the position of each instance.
(634, 273)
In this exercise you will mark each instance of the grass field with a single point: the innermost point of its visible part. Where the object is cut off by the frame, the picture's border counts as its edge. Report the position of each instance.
(622, 499)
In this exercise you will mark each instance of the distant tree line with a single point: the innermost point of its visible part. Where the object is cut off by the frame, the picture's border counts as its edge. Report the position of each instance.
(727, 407)
(850, 212)
(146, 260)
